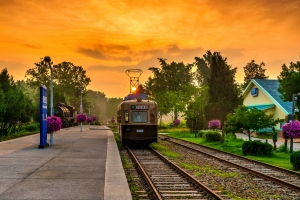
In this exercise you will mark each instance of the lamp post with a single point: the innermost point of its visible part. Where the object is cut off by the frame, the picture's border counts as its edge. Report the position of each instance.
(80, 108)
(294, 99)
(89, 112)
(47, 59)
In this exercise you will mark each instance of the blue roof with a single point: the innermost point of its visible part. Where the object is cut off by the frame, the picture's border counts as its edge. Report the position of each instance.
(262, 107)
(270, 87)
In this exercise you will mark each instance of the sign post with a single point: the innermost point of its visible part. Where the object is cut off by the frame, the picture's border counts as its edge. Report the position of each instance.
(43, 117)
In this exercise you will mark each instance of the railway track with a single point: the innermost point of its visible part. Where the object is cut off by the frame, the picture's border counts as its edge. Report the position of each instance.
(167, 180)
(280, 178)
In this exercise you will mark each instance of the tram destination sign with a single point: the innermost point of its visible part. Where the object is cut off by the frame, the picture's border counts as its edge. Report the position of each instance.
(139, 107)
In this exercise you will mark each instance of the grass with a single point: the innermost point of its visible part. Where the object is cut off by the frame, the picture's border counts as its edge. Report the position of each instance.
(231, 144)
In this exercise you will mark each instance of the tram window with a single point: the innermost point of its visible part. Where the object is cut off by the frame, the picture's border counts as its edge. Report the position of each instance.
(139, 116)
(152, 116)
(126, 116)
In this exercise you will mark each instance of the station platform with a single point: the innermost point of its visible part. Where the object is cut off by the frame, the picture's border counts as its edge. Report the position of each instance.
(79, 165)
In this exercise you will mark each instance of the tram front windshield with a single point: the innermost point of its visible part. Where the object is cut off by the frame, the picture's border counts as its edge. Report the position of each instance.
(139, 116)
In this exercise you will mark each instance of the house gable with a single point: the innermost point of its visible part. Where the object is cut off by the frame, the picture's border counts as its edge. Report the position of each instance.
(267, 94)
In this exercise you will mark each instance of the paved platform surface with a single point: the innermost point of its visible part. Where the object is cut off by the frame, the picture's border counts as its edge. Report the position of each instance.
(79, 165)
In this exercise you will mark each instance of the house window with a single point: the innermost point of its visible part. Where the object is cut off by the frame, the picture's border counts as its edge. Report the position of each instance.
(254, 92)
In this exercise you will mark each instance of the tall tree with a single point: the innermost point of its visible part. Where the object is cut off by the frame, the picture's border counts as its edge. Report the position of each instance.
(170, 85)
(16, 106)
(203, 71)
(98, 100)
(68, 80)
(112, 107)
(254, 71)
(289, 80)
(223, 90)
(195, 109)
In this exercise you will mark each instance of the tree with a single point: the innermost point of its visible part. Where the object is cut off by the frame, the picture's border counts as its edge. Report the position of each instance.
(223, 91)
(68, 80)
(16, 106)
(203, 71)
(254, 71)
(170, 85)
(112, 107)
(289, 79)
(195, 109)
(98, 100)
(250, 119)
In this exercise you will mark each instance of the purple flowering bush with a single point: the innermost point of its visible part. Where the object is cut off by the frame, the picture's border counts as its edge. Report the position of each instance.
(53, 124)
(94, 118)
(89, 119)
(291, 130)
(81, 117)
(176, 122)
(113, 120)
(214, 124)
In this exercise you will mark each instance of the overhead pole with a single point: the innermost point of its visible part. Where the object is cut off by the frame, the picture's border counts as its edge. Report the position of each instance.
(134, 75)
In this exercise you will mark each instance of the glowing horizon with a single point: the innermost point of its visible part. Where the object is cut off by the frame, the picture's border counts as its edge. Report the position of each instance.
(108, 37)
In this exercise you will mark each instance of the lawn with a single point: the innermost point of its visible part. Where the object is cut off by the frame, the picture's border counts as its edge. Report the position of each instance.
(278, 158)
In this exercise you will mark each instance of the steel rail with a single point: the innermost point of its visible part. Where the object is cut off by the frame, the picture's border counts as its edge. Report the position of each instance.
(196, 182)
(273, 179)
(147, 178)
(240, 157)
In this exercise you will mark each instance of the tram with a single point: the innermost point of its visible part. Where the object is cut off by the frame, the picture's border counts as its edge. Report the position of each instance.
(137, 120)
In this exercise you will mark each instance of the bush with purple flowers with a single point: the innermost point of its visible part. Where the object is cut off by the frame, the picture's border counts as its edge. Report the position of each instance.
(89, 119)
(176, 122)
(214, 124)
(291, 129)
(81, 117)
(53, 124)
(113, 120)
(94, 118)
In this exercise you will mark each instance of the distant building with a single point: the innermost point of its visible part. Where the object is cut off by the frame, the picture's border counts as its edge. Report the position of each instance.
(263, 94)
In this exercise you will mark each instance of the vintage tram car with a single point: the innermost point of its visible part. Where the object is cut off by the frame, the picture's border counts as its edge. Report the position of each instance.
(66, 113)
(137, 120)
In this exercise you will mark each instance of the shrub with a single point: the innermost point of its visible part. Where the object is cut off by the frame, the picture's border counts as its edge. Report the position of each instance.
(256, 148)
(295, 160)
(53, 124)
(89, 119)
(81, 117)
(212, 136)
(200, 133)
(31, 127)
(214, 124)
(176, 122)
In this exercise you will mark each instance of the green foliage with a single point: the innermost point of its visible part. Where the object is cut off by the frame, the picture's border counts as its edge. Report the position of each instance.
(283, 148)
(170, 86)
(195, 110)
(254, 71)
(31, 127)
(212, 136)
(200, 133)
(224, 93)
(16, 106)
(250, 119)
(68, 81)
(256, 148)
(112, 107)
(295, 160)
(287, 79)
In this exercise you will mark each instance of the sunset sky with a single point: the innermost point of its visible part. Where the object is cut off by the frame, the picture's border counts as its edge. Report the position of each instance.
(107, 37)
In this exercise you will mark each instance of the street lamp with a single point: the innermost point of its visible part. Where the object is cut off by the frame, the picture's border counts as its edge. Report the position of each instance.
(47, 59)
(294, 99)
(89, 111)
(80, 108)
